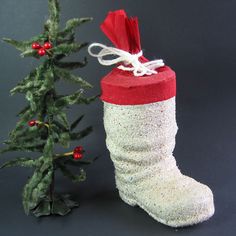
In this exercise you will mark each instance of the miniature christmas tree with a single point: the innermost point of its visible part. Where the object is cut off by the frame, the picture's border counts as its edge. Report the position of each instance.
(43, 123)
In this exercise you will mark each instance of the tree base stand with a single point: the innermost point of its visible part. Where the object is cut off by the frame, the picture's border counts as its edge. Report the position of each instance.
(57, 205)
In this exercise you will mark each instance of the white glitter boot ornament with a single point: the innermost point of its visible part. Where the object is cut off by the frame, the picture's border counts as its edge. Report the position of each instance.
(140, 124)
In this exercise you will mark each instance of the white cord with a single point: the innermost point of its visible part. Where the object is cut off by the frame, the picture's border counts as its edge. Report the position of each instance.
(138, 68)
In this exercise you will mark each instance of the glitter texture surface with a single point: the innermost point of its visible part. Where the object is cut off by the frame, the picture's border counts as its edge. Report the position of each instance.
(141, 140)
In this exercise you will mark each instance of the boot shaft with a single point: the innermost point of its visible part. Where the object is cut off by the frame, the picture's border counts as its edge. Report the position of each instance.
(143, 133)
(141, 140)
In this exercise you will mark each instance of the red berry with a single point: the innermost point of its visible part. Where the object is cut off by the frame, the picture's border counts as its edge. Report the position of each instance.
(36, 45)
(78, 149)
(41, 52)
(32, 123)
(77, 155)
(47, 45)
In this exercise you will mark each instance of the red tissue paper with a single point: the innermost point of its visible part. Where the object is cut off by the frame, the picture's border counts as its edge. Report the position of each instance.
(122, 87)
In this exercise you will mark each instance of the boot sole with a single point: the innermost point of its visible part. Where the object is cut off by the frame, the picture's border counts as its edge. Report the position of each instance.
(205, 215)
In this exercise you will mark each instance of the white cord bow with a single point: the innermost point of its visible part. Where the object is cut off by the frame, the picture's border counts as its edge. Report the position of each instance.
(138, 68)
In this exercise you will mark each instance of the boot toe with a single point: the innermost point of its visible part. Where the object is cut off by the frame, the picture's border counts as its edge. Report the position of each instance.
(195, 205)
(181, 203)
